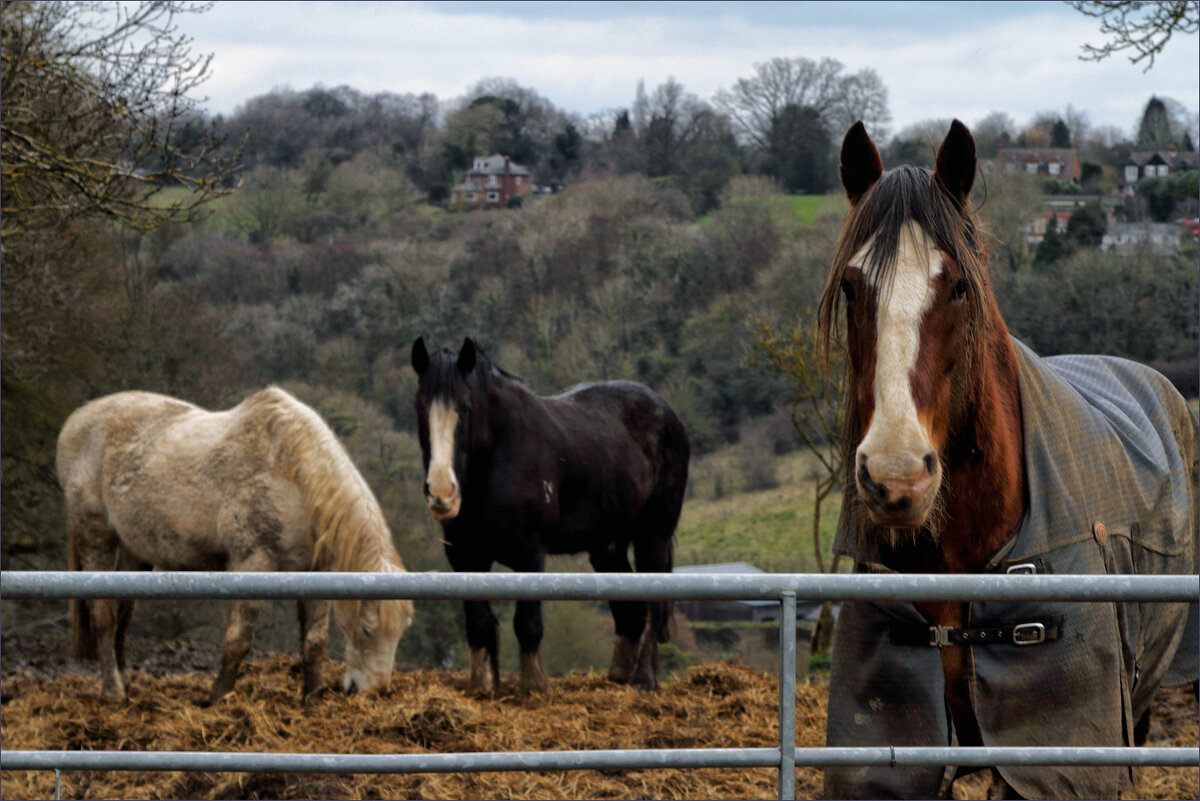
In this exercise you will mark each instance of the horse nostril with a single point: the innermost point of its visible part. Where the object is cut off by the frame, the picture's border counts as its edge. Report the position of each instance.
(427, 492)
(930, 463)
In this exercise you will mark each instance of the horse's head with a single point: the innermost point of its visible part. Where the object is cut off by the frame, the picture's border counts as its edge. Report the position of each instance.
(910, 270)
(450, 393)
(372, 630)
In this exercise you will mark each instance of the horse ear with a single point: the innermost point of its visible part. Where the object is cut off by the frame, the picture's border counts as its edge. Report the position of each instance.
(466, 356)
(860, 163)
(956, 163)
(420, 356)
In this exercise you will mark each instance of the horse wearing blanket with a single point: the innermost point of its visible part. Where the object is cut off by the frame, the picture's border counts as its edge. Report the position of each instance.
(966, 453)
(154, 481)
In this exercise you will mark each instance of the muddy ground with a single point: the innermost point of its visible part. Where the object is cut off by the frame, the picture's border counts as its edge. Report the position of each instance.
(52, 702)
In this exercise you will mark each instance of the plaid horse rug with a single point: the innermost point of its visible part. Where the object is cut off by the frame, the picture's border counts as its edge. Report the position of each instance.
(1111, 470)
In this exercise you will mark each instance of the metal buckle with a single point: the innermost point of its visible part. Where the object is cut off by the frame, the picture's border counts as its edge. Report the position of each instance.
(939, 636)
(1028, 634)
(1023, 568)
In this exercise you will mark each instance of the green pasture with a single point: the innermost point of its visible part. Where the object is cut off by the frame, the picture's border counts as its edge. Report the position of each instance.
(768, 528)
(803, 209)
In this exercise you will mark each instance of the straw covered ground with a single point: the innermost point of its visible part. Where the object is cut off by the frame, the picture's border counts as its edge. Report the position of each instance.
(714, 705)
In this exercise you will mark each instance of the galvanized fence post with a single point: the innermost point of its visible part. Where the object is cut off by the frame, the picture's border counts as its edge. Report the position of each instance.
(787, 695)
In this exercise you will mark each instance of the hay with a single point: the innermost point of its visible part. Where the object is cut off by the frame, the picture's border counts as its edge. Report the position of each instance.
(711, 706)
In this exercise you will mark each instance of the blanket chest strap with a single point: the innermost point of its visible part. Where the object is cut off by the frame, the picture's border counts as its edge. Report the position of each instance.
(1029, 632)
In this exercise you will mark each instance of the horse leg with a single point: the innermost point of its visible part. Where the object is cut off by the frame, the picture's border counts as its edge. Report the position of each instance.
(99, 548)
(124, 615)
(629, 617)
(125, 607)
(653, 556)
(239, 627)
(483, 630)
(483, 639)
(314, 639)
(527, 623)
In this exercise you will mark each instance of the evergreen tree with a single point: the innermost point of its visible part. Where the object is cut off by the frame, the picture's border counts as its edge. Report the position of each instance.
(1154, 132)
(1060, 135)
(1087, 226)
(1052, 248)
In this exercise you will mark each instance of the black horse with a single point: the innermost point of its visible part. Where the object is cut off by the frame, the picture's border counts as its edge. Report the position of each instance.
(513, 477)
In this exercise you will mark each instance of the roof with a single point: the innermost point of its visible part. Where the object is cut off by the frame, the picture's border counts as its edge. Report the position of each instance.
(725, 567)
(497, 164)
(1142, 158)
(1041, 154)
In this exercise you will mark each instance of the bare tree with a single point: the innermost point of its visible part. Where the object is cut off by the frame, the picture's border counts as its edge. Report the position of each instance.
(1143, 27)
(98, 120)
(756, 103)
(98, 114)
(817, 417)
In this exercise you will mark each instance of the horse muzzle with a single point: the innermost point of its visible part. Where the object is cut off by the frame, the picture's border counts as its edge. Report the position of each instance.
(901, 499)
(445, 508)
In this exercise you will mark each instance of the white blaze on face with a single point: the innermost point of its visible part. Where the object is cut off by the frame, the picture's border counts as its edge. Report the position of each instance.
(443, 421)
(896, 442)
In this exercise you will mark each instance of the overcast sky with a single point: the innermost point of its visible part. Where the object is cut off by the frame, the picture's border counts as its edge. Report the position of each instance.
(937, 59)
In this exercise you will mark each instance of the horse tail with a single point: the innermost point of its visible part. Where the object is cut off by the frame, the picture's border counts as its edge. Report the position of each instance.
(83, 638)
(675, 453)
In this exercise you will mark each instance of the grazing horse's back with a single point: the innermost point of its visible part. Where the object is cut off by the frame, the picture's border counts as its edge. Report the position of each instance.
(153, 481)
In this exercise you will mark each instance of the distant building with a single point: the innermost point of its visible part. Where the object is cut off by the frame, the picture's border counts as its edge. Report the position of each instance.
(493, 181)
(1061, 164)
(1154, 164)
(750, 611)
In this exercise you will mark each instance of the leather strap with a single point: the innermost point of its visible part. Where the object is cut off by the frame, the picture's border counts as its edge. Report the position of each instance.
(1030, 632)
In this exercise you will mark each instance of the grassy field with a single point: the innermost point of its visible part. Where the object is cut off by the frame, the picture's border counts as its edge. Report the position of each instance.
(769, 528)
(807, 207)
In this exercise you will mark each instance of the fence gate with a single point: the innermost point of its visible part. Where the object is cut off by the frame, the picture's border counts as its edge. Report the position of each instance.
(784, 588)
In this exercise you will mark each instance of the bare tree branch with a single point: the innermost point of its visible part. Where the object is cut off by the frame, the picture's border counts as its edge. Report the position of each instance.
(1138, 25)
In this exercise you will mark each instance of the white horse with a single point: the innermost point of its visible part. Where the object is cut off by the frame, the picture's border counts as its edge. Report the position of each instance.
(154, 481)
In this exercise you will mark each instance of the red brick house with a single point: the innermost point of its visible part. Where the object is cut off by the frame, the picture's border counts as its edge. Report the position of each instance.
(493, 181)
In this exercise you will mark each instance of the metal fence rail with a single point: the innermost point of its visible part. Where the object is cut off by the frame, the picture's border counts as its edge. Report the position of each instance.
(589, 586)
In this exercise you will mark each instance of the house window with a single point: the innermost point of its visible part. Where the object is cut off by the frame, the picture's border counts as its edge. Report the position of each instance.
(1031, 168)
(1055, 168)
(518, 180)
(1131, 172)
(491, 180)
(470, 195)
(1163, 170)
(493, 196)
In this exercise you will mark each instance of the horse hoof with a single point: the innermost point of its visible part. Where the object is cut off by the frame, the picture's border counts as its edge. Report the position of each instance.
(533, 687)
(216, 695)
(647, 683)
(113, 690)
(618, 676)
(311, 695)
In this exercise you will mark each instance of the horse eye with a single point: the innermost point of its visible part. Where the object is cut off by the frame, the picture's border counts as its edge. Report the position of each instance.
(958, 291)
(848, 290)
(365, 629)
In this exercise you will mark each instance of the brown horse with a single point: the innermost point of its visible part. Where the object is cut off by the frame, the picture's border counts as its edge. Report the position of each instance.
(967, 453)
(154, 481)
